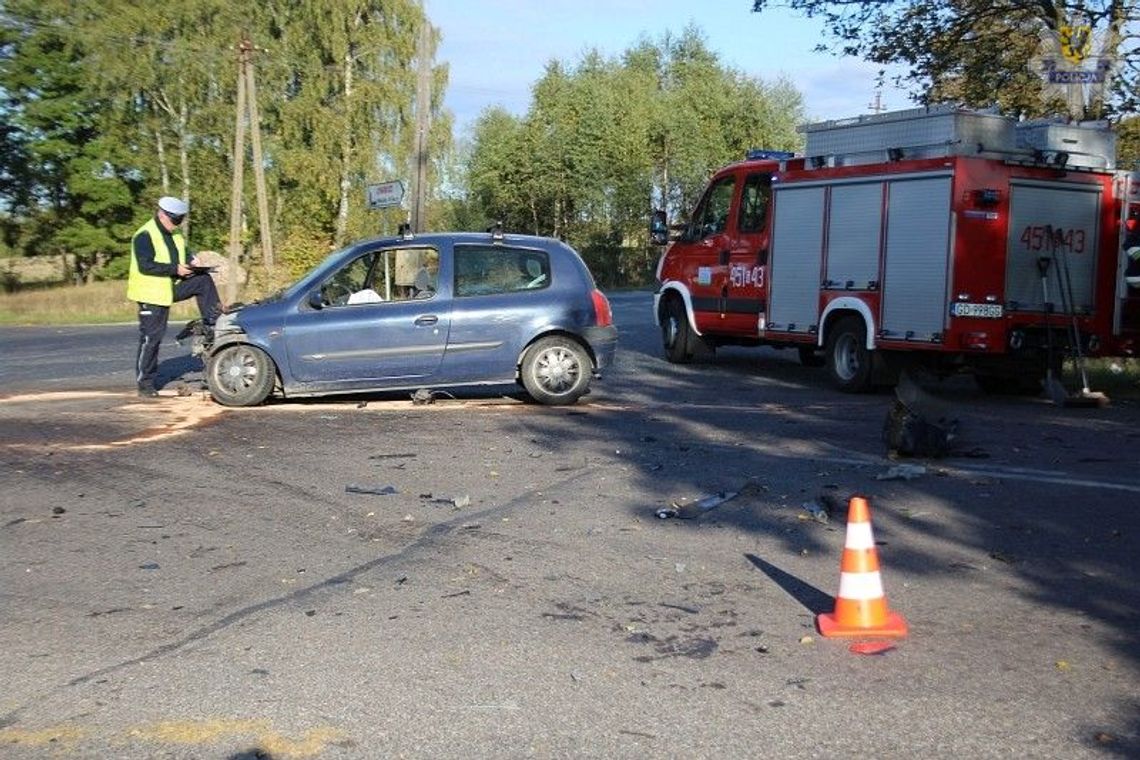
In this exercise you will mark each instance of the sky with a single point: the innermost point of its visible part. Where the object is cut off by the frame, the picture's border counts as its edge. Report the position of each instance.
(497, 49)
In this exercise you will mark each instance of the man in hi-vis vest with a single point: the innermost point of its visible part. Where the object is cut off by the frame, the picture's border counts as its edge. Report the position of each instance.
(160, 275)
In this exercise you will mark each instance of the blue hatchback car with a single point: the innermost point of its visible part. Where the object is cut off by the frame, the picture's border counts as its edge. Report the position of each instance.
(424, 311)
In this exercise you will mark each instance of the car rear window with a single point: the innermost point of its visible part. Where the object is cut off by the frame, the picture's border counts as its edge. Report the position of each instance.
(484, 270)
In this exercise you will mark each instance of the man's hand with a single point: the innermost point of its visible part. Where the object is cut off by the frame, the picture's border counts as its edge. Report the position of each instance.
(185, 271)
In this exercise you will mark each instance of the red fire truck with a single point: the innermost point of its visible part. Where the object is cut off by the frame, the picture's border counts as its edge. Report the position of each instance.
(954, 239)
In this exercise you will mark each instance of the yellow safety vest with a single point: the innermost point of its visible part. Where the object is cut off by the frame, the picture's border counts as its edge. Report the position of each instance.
(149, 288)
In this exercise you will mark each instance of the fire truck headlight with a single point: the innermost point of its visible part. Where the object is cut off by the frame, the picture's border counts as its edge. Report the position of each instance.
(976, 341)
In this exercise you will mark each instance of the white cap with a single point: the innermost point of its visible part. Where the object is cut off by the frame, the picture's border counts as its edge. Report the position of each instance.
(173, 206)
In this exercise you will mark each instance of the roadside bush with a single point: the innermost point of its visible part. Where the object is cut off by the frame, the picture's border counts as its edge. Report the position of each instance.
(9, 279)
(116, 269)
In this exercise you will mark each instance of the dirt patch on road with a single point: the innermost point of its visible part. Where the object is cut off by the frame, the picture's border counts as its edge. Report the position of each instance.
(96, 420)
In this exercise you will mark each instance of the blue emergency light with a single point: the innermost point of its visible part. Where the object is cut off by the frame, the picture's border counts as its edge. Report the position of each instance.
(761, 154)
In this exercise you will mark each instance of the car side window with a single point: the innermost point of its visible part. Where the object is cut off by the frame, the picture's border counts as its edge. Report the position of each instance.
(484, 270)
(349, 285)
(711, 216)
(400, 274)
(754, 202)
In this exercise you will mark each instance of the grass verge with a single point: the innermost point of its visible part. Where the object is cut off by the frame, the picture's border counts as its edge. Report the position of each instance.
(94, 303)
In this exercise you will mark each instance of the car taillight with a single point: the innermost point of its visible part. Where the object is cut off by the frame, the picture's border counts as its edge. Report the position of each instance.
(602, 311)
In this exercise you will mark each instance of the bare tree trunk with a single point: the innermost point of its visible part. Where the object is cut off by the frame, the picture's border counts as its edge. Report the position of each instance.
(163, 173)
(345, 155)
(184, 159)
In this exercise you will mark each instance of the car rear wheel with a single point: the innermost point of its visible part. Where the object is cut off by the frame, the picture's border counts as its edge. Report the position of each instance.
(240, 375)
(556, 371)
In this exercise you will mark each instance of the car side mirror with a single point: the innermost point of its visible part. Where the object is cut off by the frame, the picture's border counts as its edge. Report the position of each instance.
(659, 228)
(315, 299)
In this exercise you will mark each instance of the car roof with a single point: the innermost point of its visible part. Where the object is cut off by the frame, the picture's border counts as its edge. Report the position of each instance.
(429, 238)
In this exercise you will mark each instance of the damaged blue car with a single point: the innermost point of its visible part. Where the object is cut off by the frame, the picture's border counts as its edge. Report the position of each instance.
(425, 311)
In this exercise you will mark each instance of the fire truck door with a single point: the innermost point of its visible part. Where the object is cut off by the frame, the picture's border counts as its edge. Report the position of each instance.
(710, 246)
(1054, 219)
(746, 295)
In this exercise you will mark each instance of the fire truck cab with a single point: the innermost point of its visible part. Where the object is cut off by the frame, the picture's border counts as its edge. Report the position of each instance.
(941, 237)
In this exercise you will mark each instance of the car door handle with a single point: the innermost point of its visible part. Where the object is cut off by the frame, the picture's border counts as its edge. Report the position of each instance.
(427, 320)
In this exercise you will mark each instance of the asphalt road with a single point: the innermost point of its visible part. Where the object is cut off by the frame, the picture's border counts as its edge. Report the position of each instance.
(180, 580)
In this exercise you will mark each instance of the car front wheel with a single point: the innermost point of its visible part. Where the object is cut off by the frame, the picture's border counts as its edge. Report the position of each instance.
(240, 375)
(556, 371)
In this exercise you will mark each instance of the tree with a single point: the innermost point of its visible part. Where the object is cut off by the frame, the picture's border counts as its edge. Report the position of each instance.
(607, 139)
(980, 52)
(62, 179)
(106, 105)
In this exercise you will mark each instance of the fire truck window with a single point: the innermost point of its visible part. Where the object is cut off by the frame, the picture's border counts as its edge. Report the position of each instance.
(754, 203)
(712, 215)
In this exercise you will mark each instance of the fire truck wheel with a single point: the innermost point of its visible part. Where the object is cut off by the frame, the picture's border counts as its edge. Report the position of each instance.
(848, 360)
(676, 334)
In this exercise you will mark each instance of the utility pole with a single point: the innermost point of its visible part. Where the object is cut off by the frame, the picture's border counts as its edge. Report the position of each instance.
(423, 127)
(258, 164)
(238, 179)
(247, 109)
(876, 105)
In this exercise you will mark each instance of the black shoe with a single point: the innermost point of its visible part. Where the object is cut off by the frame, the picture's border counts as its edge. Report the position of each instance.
(147, 391)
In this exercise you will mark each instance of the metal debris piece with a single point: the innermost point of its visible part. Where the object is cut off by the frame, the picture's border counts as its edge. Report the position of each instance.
(903, 472)
(376, 490)
(456, 501)
(817, 512)
(697, 508)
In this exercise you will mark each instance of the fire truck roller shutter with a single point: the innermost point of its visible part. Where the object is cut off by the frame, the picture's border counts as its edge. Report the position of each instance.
(854, 228)
(1047, 217)
(797, 245)
(917, 256)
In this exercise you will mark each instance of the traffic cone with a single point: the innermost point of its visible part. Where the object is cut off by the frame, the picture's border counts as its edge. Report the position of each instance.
(860, 606)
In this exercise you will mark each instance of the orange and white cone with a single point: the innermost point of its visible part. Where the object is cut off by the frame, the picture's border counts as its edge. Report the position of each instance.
(860, 607)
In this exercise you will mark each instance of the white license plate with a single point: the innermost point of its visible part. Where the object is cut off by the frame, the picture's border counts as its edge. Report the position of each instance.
(984, 310)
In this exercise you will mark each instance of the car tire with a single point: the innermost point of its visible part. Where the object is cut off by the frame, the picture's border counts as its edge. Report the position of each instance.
(240, 375)
(556, 371)
(848, 360)
(676, 333)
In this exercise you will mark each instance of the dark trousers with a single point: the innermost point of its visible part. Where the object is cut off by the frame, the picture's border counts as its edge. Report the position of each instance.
(153, 318)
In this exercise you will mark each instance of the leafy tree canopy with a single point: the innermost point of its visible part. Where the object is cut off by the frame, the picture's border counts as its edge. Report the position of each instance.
(982, 52)
(608, 138)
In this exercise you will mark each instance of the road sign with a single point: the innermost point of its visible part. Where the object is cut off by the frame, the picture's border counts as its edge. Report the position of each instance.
(385, 194)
